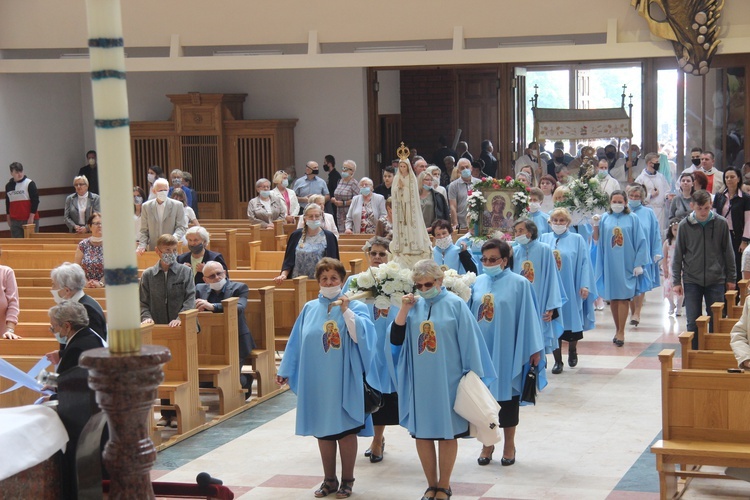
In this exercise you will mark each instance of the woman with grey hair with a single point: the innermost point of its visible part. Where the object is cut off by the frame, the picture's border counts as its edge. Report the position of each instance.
(435, 341)
(69, 322)
(264, 208)
(366, 208)
(68, 282)
(198, 254)
(346, 190)
(80, 205)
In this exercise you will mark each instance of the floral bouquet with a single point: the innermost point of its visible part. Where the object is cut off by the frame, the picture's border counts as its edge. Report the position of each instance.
(584, 196)
(477, 203)
(387, 283)
(460, 284)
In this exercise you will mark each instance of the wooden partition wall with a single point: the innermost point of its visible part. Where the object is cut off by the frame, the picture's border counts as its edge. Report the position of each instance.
(207, 136)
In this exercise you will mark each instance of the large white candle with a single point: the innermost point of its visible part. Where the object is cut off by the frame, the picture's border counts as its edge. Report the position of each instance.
(109, 91)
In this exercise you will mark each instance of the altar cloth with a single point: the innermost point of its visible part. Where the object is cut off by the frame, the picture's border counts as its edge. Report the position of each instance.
(29, 435)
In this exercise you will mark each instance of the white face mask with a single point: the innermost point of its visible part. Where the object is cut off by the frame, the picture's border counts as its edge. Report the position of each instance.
(617, 207)
(161, 196)
(522, 240)
(61, 339)
(558, 228)
(444, 243)
(151, 178)
(92, 161)
(95, 239)
(56, 296)
(330, 292)
(218, 285)
(534, 206)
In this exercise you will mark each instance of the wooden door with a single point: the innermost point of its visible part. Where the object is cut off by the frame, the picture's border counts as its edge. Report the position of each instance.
(478, 108)
(391, 137)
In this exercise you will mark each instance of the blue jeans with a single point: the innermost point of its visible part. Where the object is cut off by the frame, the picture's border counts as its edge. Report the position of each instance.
(694, 297)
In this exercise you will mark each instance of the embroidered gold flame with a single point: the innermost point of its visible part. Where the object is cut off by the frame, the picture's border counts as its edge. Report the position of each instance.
(692, 27)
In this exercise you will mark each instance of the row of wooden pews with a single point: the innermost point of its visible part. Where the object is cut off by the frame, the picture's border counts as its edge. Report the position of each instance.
(704, 404)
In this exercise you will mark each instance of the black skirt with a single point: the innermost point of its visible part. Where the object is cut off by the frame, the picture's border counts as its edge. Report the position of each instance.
(388, 414)
(569, 336)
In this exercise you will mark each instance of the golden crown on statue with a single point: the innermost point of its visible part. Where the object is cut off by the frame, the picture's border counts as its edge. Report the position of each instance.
(403, 152)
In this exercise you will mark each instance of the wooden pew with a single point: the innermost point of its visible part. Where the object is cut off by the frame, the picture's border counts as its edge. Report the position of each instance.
(263, 260)
(21, 396)
(219, 356)
(260, 316)
(49, 259)
(710, 341)
(44, 292)
(180, 384)
(225, 243)
(288, 301)
(703, 360)
(704, 422)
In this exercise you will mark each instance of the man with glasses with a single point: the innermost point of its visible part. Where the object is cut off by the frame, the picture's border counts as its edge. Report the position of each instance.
(458, 194)
(217, 287)
(310, 184)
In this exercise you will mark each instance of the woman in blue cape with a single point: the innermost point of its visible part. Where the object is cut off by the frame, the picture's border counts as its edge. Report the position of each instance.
(533, 260)
(571, 255)
(512, 334)
(622, 252)
(446, 253)
(650, 224)
(376, 251)
(327, 354)
(436, 342)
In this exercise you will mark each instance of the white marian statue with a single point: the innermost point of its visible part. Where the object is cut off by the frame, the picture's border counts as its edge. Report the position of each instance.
(411, 242)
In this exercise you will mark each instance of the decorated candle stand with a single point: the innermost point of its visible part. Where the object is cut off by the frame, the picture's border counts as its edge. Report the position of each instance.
(125, 376)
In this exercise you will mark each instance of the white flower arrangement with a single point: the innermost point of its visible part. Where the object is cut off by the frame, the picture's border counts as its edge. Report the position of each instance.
(476, 203)
(521, 198)
(387, 283)
(460, 284)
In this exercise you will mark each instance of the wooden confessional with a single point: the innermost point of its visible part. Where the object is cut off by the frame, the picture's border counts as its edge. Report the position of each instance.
(207, 136)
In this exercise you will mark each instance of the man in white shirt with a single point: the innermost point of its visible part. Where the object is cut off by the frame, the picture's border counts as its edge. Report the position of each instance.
(607, 183)
(162, 215)
(715, 177)
(458, 194)
(627, 169)
(529, 158)
(657, 188)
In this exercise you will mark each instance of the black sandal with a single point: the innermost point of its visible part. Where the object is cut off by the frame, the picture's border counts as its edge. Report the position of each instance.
(447, 491)
(431, 488)
(345, 491)
(326, 488)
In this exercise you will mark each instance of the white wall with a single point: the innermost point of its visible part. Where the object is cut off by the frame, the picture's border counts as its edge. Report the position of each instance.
(41, 127)
(329, 104)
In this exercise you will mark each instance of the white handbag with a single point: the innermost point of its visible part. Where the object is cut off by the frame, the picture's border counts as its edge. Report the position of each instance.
(475, 403)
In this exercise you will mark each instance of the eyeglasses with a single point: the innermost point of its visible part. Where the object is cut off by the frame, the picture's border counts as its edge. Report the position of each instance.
(378, 254)
(96, 224)
(347, 169)
(424, 286)
(80, 184)
(490, 260)
(213, 276)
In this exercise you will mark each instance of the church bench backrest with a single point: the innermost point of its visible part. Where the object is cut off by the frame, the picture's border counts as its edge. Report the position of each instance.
(45, 303)
(225, 242)
(260, 315)
(44, 292)
(33, 346)
(704, 405)
(703, 360)
(710, 341)
(58, 236)
(721, 325)
(218, 354)
(21, 396)
(264, 260)
(49, 259)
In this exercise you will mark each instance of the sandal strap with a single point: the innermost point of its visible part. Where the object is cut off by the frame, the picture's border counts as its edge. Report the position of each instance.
(447, 491)
(327, 488)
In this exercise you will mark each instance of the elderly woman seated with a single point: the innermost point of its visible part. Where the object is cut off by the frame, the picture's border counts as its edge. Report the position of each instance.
(80, 205)
(68, 282)
(365, 210)
(264, 209)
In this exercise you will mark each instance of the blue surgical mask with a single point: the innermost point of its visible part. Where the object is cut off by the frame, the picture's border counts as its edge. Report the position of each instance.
(265, 193)
(466, 173)
(61, 339)
(522, 240)
(493, 270)
(427, 187)
(634, 204)
(285, 183)
(601, 174)
(344, 174)
(429, 294)
(365, 191)
(313, 224)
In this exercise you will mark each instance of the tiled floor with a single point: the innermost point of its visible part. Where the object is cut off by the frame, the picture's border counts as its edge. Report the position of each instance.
(587, 437)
